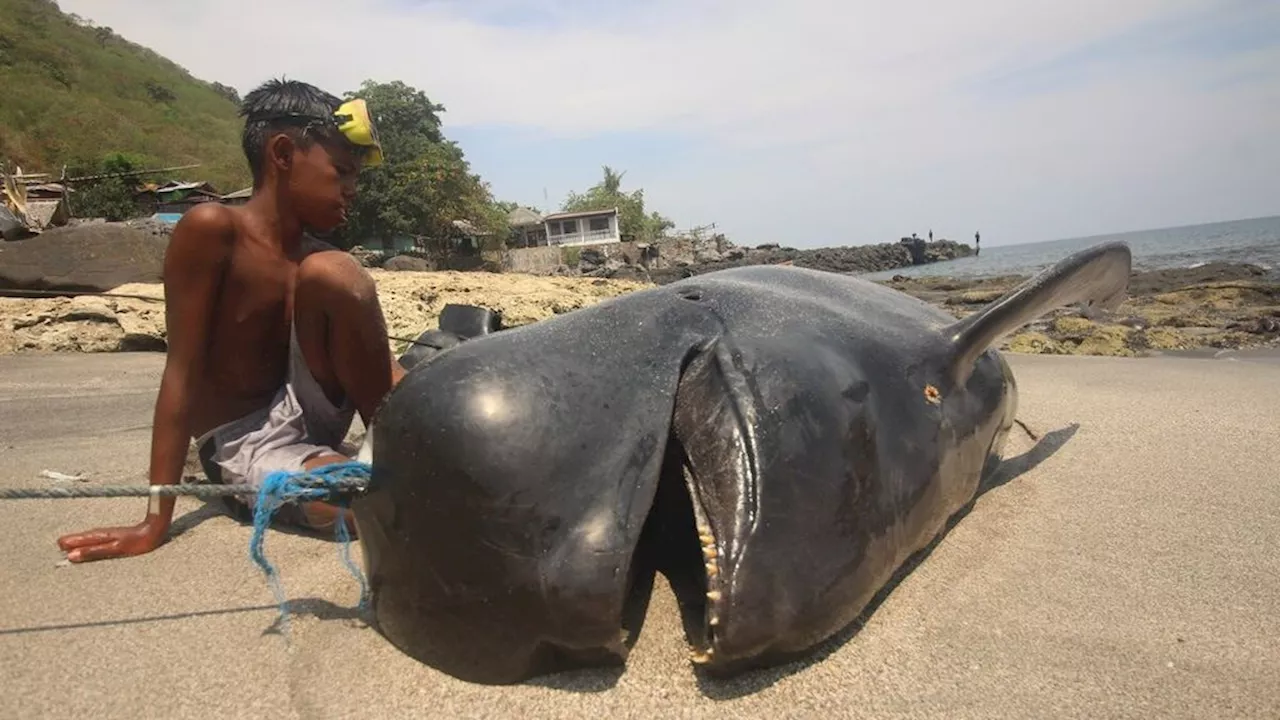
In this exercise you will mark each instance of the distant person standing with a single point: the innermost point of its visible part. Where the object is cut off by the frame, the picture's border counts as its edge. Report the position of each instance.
(977, 243)
(930, 234)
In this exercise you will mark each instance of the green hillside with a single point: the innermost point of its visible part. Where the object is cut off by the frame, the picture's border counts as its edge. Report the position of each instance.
(72, 93)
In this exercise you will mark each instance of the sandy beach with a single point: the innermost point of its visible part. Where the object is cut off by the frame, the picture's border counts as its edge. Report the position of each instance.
(1127, 568)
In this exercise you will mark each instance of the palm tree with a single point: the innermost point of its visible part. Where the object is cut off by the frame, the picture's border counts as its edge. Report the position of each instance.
(612, 181)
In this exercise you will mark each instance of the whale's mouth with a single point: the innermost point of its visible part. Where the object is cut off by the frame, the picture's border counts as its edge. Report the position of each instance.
(678, 541)
(706, 499)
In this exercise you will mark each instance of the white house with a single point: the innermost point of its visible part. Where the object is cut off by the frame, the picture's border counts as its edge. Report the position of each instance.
(591, 227)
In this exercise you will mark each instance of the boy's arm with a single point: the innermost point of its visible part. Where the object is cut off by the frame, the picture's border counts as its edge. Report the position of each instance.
(193, 268)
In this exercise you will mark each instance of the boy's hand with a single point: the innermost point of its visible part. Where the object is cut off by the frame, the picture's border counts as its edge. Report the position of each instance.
(107, 543)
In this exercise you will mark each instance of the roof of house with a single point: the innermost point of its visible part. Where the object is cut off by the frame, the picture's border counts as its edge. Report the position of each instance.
(469, 228)
(522, 216)
(155, 186)
(52, 189)
(175, 186)
(247, 192)
(581, 213)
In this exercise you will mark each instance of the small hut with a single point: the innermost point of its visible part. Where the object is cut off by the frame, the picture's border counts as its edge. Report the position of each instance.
(527, 228)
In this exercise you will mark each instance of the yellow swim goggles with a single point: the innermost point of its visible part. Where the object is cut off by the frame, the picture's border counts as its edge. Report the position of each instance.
(356, 125)
(353, 120)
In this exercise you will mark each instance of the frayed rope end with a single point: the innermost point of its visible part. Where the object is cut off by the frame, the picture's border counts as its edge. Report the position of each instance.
(281, 487)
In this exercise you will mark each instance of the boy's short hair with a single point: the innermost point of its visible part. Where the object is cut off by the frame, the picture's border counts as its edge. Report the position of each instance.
(289, 106)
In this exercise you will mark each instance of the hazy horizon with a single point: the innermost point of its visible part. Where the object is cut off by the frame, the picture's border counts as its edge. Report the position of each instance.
(1118, 233)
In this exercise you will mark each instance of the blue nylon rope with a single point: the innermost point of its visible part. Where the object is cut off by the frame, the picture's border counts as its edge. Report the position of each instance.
(281, 487)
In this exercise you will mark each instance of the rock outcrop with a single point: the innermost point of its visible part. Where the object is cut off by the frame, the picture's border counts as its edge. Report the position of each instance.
(1218, 305)
(87, 256)
(852, 259)
(411, 302)
(670, 259)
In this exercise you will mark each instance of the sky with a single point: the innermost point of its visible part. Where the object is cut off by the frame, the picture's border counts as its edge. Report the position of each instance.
(808, 123)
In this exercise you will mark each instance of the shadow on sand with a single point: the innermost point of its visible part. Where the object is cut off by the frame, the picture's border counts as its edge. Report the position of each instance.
(215, 507)
(209, 509)
(754, 681)
(321, 609)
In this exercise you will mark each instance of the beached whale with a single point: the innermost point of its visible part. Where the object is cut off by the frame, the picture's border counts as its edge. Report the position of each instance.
(775, 440)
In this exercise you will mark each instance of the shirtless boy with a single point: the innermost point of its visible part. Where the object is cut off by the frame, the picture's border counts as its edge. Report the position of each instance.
(275, 340)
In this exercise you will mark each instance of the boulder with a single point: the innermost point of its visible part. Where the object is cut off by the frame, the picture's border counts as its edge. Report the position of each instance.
(630, 272)
(94, 257)
(590, 260)
(407, 263)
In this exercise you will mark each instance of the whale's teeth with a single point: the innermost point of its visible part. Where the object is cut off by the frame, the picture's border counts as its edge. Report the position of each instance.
(701, 657)
(712, 570)
(713, 620)
(713, 595)
(709, 552)
(706, 538)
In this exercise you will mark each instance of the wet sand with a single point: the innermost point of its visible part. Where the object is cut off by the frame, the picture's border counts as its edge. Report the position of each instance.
(1127, 568)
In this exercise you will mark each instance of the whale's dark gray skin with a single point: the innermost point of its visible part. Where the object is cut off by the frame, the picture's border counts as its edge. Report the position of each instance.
(778, 440)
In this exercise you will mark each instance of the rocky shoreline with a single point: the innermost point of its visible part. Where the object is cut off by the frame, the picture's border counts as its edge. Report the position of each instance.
(672, 259)
(852, 259)
(411, 303)
(1215, 306)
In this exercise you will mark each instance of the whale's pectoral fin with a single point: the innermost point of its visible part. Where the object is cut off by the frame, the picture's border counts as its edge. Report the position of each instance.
(1097, 276)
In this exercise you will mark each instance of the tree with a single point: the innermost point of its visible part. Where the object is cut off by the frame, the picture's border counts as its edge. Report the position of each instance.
(425, 182)
(111, 197)
(607, 194)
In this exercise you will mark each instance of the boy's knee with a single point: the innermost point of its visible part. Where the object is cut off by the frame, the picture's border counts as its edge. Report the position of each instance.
(323, 517)
(333, 278)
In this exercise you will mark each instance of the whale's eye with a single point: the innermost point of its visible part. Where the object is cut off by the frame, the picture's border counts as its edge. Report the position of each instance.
(691, 294)
(932, 395)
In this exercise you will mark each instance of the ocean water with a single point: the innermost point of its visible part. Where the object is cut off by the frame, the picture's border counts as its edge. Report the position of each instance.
(1255, 241)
